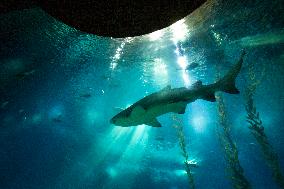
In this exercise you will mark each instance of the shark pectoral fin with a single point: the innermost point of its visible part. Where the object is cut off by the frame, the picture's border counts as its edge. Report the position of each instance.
(137, 111)
(154, 123)
(181, 108)
(181, 111)
(209, 97)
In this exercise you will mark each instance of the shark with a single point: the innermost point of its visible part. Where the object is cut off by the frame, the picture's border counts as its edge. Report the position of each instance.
(146, 110)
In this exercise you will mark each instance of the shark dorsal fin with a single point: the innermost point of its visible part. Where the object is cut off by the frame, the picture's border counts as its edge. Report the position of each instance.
(197, 84)
(168, 87)
(137, 111)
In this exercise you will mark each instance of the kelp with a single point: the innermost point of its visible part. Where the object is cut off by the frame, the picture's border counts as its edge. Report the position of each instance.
(234, 168)
(256, 127)
(180, 133)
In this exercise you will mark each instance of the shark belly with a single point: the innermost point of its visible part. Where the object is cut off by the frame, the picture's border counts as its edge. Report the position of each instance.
(149, 115)
(158, 110)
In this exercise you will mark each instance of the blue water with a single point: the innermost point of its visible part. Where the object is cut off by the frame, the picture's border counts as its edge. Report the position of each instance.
(60, 87)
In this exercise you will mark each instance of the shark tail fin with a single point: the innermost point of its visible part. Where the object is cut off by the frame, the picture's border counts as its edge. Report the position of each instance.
(228, 82)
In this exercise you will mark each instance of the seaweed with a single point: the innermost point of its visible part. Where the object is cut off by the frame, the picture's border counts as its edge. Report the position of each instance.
(187, 163)
(256, 127)
(234, 168)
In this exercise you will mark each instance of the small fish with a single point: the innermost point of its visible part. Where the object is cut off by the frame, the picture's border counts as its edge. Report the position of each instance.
(4, 104)
(262, 39)
(192, 66)
(106, 77)
(159, 138)
(57, 119)
(86, 95)
(24, 74)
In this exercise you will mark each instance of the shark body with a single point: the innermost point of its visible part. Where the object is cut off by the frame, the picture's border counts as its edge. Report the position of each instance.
(146, 110)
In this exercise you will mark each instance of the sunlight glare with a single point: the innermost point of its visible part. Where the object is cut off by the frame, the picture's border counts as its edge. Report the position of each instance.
(119, 52)
(199, 123)
(182, 62)
(139, 134)
(156, 35)
(186, 79)
(160, 67)
(160, 71)
(180, 172)
(179, 31)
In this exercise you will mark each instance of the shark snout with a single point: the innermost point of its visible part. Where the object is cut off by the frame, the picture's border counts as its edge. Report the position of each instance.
(112, 120)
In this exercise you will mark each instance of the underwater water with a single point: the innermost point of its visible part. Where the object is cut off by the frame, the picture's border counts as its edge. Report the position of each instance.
(60, 88)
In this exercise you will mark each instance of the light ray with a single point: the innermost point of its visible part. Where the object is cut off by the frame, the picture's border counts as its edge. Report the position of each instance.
(179, 31)
(154, 36)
